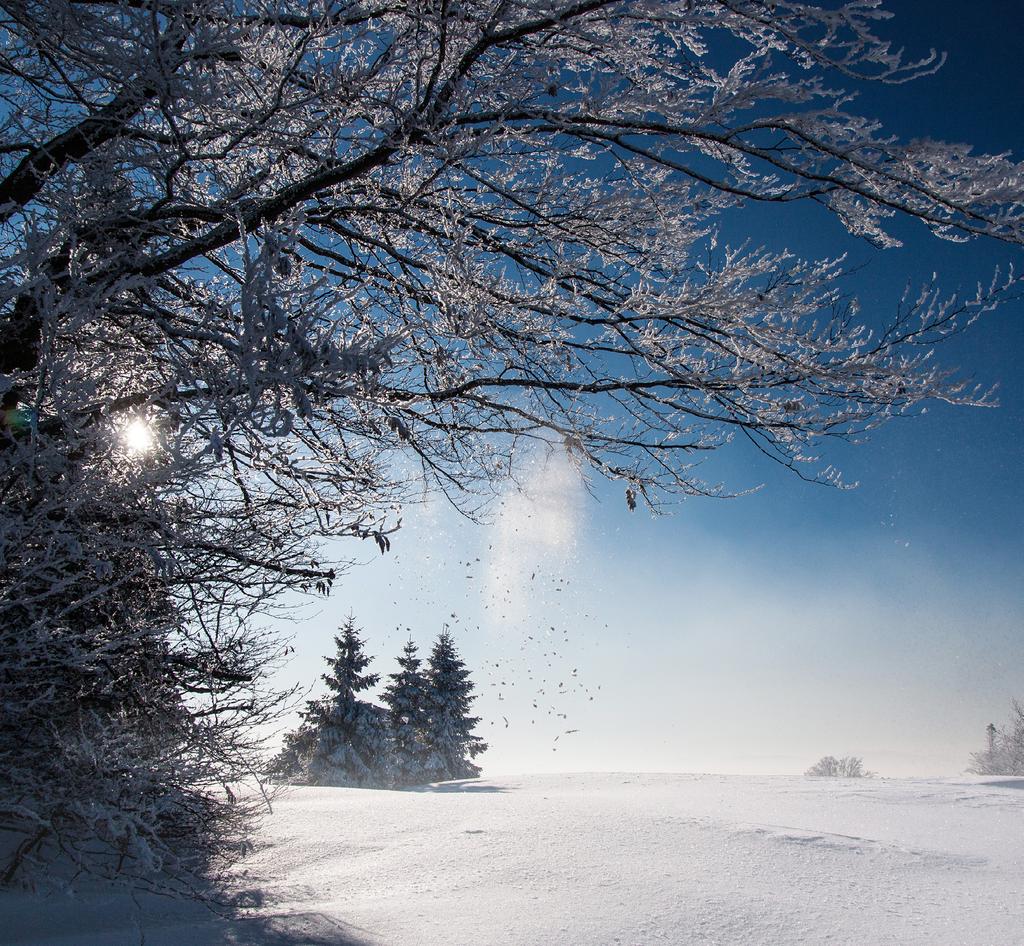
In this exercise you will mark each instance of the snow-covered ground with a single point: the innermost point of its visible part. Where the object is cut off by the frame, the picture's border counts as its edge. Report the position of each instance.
(604, 859)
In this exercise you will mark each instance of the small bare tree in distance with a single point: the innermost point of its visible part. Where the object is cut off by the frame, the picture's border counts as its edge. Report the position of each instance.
(1004, 751)
(849, 766)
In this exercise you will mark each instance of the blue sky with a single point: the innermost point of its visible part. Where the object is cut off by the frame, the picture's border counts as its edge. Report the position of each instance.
(757, 634)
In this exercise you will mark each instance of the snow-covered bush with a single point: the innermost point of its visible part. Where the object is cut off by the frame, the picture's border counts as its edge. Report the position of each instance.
(120, 721)
(849, 766)
(1004, 753)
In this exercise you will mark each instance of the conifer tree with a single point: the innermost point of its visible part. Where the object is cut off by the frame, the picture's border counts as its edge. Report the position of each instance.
(342, 740)
(345, 677)
(449, 734)
(406, 698)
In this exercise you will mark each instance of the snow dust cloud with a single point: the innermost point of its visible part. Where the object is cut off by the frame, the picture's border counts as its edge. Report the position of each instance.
(534, 536)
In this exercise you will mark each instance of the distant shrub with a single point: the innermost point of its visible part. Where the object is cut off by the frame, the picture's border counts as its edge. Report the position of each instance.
(849, 766)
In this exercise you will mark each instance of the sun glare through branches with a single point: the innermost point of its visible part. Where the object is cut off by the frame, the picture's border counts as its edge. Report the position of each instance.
(136, 436)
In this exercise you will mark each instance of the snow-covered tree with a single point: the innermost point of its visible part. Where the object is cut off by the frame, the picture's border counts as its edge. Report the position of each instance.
(1004, 753)
(254, 255)
(291, 764)
(352, 740)
(848, 766)
(449, 734)
(987, 761)
(407, 699)
(121, 729)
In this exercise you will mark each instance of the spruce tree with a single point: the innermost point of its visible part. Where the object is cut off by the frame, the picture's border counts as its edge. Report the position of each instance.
(449, 733)
(342, 740)
(406, 698)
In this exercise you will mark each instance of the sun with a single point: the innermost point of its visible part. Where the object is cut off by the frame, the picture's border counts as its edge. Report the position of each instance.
(137, 436)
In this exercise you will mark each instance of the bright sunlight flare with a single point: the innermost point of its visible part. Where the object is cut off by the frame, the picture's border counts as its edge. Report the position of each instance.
(137, 436)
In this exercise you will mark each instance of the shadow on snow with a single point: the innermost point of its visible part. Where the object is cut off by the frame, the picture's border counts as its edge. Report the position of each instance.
(466, 786)
(120, 919)
(293, 929)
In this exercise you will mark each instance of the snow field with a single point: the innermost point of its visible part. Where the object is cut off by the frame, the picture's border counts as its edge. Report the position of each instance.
(561, 860)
